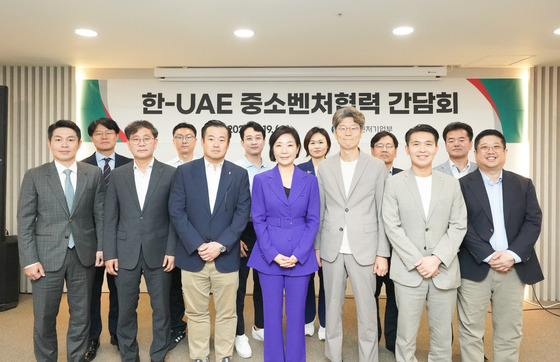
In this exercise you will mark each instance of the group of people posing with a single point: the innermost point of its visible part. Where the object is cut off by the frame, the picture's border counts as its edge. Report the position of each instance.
(457, 236)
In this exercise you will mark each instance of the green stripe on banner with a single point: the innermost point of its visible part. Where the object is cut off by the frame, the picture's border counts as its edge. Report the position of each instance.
(91, 105)
(507, 95)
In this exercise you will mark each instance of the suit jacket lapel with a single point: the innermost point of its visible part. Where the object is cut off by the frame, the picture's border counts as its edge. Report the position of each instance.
(129, 179)
(508, 194)
(479, 191)
(413, 189)
(297, 185)
(53, 180)
(82, 180)
(337, 171)
(199, 175)
(225, 181)
(157, 170)
(277, 186)
(437, 184)
(358, 172)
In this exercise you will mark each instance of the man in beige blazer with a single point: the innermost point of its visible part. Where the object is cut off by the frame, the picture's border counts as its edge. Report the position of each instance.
(425, 220)
(351, 241)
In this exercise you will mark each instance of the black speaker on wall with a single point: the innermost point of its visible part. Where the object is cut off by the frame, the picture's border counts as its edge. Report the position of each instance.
(9, 260)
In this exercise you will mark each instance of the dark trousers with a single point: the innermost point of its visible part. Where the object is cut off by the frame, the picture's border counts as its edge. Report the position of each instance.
(249, 238)
(391, 311)
(310, 310)
(158, 284)
(95, 309)
(176, 302)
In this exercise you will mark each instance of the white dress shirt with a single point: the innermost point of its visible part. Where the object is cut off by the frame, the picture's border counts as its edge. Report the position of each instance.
(142, 181)
(213, 181)
(347, 169)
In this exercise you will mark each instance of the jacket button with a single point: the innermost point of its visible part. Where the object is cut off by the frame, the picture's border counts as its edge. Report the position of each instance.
(491, 230)
(66, 237)
(427, 229)
(340, 229)
(424, 248)
(70, 220)
(346, 209)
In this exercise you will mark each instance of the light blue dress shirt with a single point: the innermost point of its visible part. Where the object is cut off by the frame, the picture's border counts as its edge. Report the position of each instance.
(101, 160)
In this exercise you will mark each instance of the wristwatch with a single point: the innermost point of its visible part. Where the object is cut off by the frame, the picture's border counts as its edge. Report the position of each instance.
(222, 248)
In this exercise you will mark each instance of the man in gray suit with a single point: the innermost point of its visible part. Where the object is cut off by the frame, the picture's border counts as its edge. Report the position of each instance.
(425, 219)
(458, 139)
(139, 239)
(351, 241)
(60, 240)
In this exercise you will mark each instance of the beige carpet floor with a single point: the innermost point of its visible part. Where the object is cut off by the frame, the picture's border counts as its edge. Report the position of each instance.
(541, 340)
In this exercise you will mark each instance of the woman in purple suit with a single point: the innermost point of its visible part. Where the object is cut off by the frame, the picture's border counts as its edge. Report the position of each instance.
(317, 144)
(285, 209)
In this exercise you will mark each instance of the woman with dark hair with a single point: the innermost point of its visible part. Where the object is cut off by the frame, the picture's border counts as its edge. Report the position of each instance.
(317, 144)
(285, 209)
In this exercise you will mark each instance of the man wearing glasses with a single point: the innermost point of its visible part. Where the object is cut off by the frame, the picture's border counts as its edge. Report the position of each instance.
(384, 146)
(104, 133)
(140, 240)
(351, 241)
(184, 140)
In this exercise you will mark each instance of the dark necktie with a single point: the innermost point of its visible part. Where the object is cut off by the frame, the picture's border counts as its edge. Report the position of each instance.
(107, 170)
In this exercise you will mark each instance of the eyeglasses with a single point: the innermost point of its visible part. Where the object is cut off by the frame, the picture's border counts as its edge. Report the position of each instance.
(381, 145)
(352, 129)
(137, 140)
(106, 133)
(182, 138)
(486, 148)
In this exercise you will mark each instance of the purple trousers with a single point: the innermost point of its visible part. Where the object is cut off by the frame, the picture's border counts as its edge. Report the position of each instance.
(273, 287)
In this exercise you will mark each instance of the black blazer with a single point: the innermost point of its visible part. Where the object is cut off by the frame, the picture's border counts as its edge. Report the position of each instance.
(119, 160)
(522, 216)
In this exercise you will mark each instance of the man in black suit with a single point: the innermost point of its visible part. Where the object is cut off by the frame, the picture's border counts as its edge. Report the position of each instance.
(140, 240)
(104, 133)
(497, 257)
(384, 146)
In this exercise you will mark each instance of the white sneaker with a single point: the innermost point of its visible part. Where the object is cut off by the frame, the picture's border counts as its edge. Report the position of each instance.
(242, 346)
(258, 334)
(310, 329)
(321, 333)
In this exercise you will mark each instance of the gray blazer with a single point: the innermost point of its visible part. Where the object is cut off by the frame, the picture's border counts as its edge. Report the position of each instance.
(446, 168)
(129, 228)
(44, 223)
(414, 236)
(360, 212)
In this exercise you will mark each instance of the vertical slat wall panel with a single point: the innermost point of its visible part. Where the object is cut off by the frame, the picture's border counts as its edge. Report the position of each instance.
(38, 97)
(544, 137)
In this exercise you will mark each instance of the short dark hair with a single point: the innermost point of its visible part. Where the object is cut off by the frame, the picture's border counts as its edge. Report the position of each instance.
(215, 123)
(133, 127)
(311, 133)
(184, 125)
(489, 132)
(105, 122)
(380, 135)
(421, 128)
(254, 125)
(453, 126)
(351, 112)
(64, 124)
(282, 130)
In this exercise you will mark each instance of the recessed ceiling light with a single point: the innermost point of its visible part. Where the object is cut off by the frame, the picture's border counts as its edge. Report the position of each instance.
(557, 31)
(244, 33)
(403, 30)
(86, 32)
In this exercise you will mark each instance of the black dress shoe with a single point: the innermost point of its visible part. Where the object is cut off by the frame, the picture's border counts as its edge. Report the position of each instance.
(176, 338)
(114, 340)
(91, 350)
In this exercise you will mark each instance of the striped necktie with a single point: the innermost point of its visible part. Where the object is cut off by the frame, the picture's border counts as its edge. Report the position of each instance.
(107, 170)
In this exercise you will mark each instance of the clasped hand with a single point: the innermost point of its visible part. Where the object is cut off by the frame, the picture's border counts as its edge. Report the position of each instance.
(286, 262)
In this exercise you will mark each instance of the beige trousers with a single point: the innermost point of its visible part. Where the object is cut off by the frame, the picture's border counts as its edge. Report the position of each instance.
(505, 293)
(197, 287)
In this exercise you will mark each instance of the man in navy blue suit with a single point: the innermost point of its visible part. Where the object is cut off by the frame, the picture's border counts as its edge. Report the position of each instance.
(209, 206)
(104, 133)
(497, 257)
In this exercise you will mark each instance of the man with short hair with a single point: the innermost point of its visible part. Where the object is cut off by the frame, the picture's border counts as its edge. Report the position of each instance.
(139, 239)
(60, 226)
(458, 138)
(497, 256)
(351, 241)
(209, 205)
(384, 146)
(253, 138)
(104, 133)
(184, 140)
(425, 219)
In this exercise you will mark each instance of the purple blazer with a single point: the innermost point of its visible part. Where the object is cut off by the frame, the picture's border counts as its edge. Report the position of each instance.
(286, 226)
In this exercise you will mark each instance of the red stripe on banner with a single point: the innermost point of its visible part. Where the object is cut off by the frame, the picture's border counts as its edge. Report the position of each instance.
(122, 136)
(482, 89)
